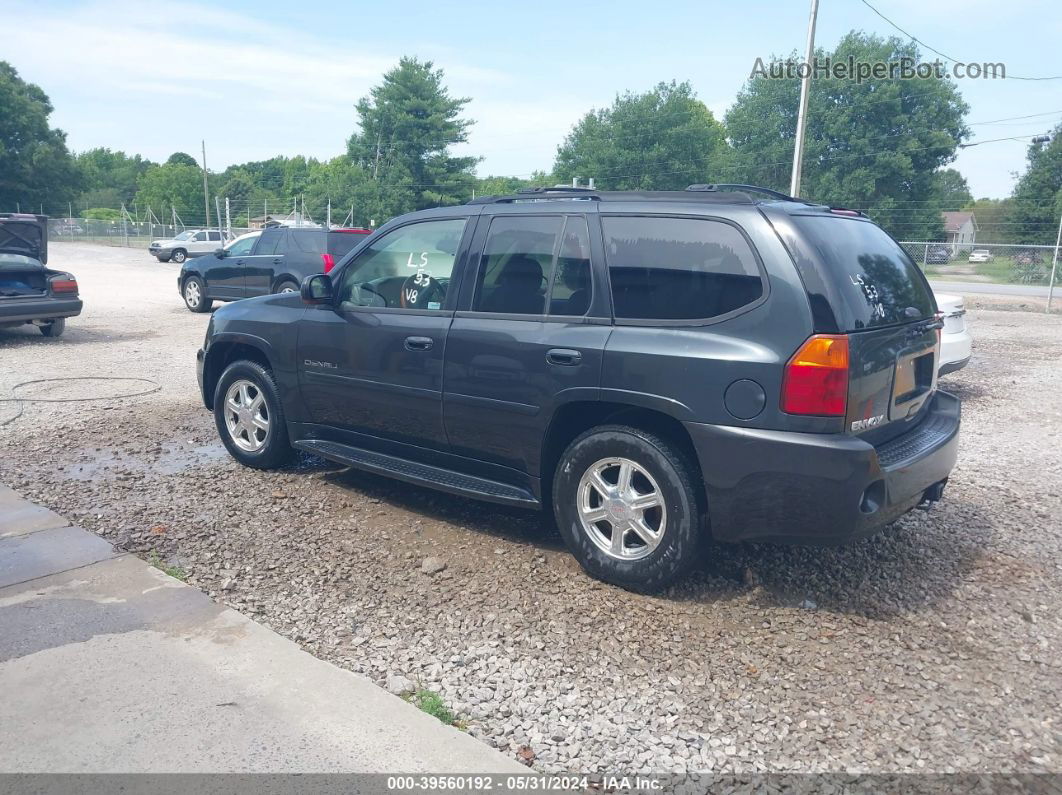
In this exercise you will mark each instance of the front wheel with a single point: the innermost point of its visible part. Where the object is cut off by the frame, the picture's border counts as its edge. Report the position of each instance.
(195, 297)
(179, 256)
(250, 417)
(625, 502)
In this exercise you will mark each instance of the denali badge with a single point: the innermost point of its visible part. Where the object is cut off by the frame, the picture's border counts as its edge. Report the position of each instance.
(315, 363)
(869, 422)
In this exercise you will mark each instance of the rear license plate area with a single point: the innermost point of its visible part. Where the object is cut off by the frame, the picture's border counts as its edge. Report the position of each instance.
(914, 380)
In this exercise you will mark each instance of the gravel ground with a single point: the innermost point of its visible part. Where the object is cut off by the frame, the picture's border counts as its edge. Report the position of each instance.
(935, 646)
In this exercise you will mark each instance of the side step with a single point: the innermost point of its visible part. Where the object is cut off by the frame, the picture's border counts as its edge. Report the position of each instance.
(422, 474)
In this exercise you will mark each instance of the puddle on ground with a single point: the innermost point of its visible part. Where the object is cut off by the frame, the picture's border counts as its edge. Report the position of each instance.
(171, 459)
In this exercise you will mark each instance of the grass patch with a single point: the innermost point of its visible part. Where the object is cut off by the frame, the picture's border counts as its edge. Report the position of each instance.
(431, 702)
(174, 571)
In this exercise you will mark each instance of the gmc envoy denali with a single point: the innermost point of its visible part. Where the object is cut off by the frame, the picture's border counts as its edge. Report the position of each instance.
(652, 367)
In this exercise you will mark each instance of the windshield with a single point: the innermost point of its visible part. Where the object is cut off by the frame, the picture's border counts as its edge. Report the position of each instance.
(880, 284)
(185, 236)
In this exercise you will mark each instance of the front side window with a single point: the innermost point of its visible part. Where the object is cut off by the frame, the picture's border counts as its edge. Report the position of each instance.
(407, 268)
(678, 268)
(242, 246)
(199, 237)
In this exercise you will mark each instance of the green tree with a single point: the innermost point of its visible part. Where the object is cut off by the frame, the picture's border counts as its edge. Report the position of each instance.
(406, 127)
(952, 189)
(102, 214)
(176, 185)
(993, 219)
(663, 139)
(875, 145)
(348, 187)
(109, 177)
(500, 186)
(182, 159)
(35, 167)
(1037, 197)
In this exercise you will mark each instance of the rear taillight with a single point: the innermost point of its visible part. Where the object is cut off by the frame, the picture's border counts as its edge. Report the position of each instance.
(61, 284)
(329, 262)
(816, 378)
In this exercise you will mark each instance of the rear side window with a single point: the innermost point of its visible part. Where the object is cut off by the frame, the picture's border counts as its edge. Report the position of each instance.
(678, 268)
(340, 243)
(309, 242)
(879, 283)
(270, 242)
(516, 263)
(214, 235)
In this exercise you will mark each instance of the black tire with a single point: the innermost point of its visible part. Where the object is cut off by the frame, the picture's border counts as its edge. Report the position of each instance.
(287, 286)
(55, 328)
(179, 255)
(276, 448)
(680, 545)
(195, 296)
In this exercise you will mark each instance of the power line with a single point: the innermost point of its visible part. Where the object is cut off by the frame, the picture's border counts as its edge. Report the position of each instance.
(914, 38)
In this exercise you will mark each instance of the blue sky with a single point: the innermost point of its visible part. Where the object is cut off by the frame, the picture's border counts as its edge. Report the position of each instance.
(262, 78)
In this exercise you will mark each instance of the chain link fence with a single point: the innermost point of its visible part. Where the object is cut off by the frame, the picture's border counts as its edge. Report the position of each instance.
(999, 263)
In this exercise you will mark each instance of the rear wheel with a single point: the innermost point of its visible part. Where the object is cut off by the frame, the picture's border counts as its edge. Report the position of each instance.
(179, 255)
(55, 328)
(287, 287)
(625, 503)
(249, 416)
(194, 292)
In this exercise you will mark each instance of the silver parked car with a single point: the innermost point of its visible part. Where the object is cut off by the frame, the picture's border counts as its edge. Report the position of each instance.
(189, 243)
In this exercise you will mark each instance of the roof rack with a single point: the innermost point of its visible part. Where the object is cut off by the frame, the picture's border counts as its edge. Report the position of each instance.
(563, 193)
(731, 186)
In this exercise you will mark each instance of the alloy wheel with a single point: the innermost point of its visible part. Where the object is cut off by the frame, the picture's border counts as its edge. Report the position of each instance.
(246, 415)
(621, 508)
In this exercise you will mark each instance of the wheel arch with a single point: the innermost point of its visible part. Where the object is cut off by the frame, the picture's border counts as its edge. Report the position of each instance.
(284, 277)
(223, 352)
(576, 417)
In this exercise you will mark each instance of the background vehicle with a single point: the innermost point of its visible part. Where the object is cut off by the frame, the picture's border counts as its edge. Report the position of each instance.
(980, 255)
(938, 255)
(651, 367)
(30, 292)
(1028, 258)
(190, 243)
(956, 344)
(272, 260)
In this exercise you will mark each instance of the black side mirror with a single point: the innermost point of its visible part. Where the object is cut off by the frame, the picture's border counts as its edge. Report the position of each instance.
(220, 253)
(317, 289)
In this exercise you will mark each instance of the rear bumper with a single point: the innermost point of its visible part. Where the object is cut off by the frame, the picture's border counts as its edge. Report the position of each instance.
(821, 488)
(22, 310)
(955, 351)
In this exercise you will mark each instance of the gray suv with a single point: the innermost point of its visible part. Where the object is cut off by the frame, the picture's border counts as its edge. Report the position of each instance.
(651, 368)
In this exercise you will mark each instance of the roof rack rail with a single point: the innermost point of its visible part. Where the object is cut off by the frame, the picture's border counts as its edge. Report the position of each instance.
(774, 194)
(531, 194)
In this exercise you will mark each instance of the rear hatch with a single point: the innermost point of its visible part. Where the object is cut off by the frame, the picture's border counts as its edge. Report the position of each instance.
(23, 250)
(882, 301)
(24, 234)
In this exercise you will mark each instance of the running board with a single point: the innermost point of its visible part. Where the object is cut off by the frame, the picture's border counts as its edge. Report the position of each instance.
(421, 474)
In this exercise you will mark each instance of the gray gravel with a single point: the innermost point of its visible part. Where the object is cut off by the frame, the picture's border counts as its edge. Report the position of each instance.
(936, 646)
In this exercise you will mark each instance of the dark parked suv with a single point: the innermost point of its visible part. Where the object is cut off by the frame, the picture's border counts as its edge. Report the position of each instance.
(272, 260)
(651, 367)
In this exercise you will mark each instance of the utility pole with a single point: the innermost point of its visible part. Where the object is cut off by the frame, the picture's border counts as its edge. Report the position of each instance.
(206, 190)
(1054, 266)
(217, 206)
(802, 113)
(228, 217)
(376, 165)
(328, 217)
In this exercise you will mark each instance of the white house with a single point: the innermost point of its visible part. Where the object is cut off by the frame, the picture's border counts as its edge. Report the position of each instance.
(960, 229)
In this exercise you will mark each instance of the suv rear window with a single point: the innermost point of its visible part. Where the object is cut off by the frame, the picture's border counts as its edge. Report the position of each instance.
(340, 243)
(678, 268)
(879, 283)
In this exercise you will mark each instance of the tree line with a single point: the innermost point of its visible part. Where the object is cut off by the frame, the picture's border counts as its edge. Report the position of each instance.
(882, 146)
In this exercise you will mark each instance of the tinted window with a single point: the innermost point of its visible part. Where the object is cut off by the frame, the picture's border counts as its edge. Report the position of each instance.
(678, 268)
(340, 243)
(572, 290)
(877, 279)
(214, 235)
(270, 242)
(311, 241)
(408, 268)
(516, 262)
